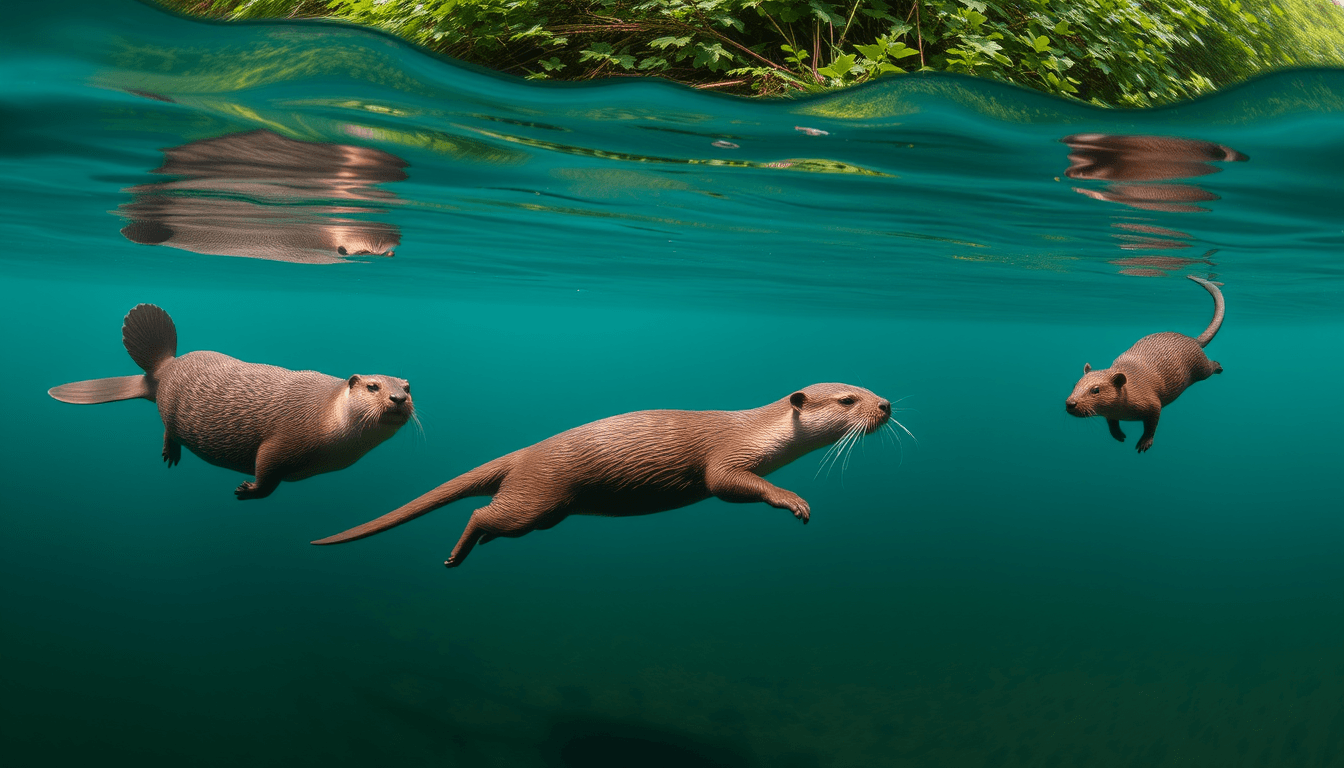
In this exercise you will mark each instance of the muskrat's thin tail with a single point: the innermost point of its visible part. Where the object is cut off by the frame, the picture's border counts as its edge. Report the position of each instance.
(1217, 322)
(149, 335)
(481, 481)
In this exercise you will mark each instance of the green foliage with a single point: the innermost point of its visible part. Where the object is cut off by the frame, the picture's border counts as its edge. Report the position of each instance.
(1130, 53)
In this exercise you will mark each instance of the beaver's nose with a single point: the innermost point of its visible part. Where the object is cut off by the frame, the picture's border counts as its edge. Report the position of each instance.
(398, 399)
(1070, 405)
(884, 406)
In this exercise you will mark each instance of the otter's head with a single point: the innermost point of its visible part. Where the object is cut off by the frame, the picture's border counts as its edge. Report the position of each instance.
(380, 400)
(1098, 393)
(827, 412)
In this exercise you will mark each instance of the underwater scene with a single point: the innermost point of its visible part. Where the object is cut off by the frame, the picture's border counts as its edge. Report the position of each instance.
(884, 299)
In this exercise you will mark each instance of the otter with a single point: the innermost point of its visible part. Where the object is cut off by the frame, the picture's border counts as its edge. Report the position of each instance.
(645, 462)
(1149, 375)
(272, 423)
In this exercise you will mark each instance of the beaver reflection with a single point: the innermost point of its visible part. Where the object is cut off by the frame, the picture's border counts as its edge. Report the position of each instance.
(259, 195)
(1124, 160)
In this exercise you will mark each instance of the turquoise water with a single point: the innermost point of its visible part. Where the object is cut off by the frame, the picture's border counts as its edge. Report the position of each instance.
(1015, 589)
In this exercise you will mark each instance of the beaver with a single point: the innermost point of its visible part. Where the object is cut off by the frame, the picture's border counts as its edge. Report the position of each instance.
(269, 422)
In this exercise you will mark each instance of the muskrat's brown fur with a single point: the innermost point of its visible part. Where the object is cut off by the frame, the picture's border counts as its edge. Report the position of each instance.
(645, 462)
(1149, 375)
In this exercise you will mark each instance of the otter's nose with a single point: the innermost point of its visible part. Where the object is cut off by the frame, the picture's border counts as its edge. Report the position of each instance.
(1070, 405)
(884, 406)
(397, 398)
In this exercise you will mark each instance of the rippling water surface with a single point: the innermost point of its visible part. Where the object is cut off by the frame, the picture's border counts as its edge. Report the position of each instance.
(1016, 588)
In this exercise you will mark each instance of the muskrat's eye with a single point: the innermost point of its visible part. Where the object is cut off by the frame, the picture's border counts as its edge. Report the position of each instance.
(373, 387)
(341, 250)
(1096, 390)
(846, 400)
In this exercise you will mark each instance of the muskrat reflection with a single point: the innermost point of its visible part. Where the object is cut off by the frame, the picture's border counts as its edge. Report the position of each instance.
(1125, 162)
(259, 195)
(1146, 158)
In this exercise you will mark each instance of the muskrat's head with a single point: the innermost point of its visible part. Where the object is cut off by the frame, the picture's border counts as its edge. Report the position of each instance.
(380, 400)
(1097, 393)
(828, 412)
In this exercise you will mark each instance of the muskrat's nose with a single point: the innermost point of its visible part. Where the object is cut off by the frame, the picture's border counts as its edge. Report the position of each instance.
(884, 406)
(398, 399)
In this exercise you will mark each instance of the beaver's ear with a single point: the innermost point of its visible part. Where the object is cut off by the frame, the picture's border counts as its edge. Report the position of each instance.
(796, 400)
(1087, 367)
(352, 381)
(1118, 380)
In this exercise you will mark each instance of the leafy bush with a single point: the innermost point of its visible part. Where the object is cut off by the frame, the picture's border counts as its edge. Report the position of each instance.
(1129, 53)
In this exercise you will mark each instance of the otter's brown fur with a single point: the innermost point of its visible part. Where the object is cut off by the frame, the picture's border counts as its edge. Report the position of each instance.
(646, 462)
(269, 422)
(1149, 375)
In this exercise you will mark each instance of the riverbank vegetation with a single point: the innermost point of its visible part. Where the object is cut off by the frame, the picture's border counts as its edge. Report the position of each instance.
(1128, 53)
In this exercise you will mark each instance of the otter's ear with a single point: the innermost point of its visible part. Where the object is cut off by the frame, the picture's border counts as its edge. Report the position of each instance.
(1118, 380)
(1087, 367)
(796, 400)
(353, 380)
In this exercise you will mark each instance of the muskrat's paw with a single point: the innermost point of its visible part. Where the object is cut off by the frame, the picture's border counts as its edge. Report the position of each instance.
(246, 491)
(1145, 444)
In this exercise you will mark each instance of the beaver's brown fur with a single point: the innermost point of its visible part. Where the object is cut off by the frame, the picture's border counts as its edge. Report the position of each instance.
(269, 422)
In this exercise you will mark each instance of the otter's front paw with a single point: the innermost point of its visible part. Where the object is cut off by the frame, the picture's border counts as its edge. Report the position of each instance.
(1145, 444)
(794, 503)
(246, 491)
(1117, 434)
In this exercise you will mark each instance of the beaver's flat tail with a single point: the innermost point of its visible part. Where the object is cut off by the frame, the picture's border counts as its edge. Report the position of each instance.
(149, 336)
(104, 390)
(481, 481)
(1217, 322)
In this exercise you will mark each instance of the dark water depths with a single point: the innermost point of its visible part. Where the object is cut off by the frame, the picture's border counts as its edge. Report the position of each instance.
(1016, 590)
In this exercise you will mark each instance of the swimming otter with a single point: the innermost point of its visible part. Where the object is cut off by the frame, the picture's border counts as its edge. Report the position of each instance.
(645, 462)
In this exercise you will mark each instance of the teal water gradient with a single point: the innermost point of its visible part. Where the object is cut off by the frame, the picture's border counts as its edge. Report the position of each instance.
(1015, 590)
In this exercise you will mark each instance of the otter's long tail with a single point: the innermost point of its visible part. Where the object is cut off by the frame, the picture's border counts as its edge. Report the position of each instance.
(1217, 322)
(150, 337)
(481, 481)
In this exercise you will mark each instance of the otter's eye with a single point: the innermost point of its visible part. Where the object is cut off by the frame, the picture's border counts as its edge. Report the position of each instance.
(846, 400)
(341, 250)
(373, 387)
(407, 387)
(1096, 390)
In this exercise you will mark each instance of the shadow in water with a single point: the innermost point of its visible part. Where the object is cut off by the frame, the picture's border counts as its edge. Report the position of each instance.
(594, 742)
(260, 195)
(1125, 163)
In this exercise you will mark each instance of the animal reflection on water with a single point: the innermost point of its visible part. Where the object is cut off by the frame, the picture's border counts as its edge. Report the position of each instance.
(1121, 161)
(259, 195)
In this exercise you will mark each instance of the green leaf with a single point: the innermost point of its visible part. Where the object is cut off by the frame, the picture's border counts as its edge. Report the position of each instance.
(873, 52)
(1062, 28)
(665, 42)
(838, 68)
(1041, 44)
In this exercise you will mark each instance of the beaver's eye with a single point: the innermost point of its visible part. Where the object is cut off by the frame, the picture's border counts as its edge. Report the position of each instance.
(373, 387)
(846, 400)
(341, 250)
(1096, 390)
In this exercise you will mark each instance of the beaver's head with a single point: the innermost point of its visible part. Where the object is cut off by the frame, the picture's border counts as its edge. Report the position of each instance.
(380, 400)
(828, 412)
(1098, 393)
